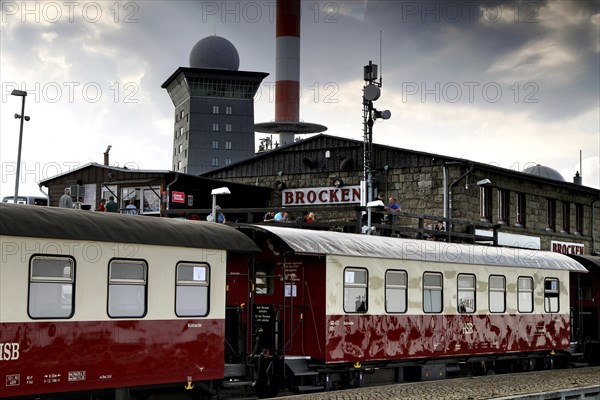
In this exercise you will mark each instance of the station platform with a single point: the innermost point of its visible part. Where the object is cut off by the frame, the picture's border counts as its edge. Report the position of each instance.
(572, 384)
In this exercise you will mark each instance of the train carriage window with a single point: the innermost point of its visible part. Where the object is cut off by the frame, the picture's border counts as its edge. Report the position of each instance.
(127, 288)
(191, 297)
(264, 282)
(355, 290)
(395, 291)
(551, 291)
(497, 294)
(51, 281)
(432, 292)
(525, 294)
(466, 293)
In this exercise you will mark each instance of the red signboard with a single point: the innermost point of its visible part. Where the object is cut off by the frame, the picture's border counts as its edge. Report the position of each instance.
(178, 197)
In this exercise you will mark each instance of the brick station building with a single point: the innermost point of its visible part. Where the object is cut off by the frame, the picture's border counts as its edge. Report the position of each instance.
(537, 209)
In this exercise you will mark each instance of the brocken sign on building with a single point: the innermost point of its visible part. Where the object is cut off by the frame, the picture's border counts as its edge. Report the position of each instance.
(321, 196)
(567, 248)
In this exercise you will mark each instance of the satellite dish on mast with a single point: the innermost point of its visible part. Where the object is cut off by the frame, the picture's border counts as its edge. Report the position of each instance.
(371, 92)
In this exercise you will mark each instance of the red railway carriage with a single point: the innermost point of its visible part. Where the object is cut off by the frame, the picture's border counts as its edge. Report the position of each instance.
(90, 301)
(334, 305)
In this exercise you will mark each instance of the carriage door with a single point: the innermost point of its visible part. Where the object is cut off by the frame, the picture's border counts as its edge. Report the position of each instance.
(265, 316)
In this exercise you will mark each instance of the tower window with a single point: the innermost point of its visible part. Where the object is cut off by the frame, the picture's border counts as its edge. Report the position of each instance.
(227, 127)
(215, 109)
(228, 110)
(215, 144)
(215, 127)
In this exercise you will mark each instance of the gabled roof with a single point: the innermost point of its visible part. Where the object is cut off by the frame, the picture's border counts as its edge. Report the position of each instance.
(96, 165)
(360, 143)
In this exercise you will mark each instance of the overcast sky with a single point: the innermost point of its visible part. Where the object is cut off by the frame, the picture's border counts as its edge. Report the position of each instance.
(510, 83)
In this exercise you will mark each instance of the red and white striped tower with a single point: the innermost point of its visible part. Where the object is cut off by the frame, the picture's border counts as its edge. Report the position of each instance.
(287, 75)
(287, 58)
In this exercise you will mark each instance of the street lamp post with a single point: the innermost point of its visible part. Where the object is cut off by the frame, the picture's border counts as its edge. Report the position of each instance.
(22, 117)
(215, 193)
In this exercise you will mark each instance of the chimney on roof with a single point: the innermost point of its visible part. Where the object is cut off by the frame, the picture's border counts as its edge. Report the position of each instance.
(106, 155)
(577, 179)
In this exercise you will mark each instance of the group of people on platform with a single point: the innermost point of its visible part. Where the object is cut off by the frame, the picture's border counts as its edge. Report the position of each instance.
(66, 201)
(385, 215)
(283, 216)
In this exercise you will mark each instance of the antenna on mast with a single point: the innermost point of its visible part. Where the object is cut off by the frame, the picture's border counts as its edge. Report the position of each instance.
(380, 58)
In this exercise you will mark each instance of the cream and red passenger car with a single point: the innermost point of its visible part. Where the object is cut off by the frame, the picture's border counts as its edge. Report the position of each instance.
(93, 300)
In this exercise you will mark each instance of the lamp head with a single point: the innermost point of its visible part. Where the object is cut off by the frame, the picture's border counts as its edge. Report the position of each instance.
(20, 93)
(484, 182)
(218, 191)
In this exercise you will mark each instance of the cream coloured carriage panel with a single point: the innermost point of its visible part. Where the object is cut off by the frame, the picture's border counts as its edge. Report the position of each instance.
(91, 275)
(377, 268)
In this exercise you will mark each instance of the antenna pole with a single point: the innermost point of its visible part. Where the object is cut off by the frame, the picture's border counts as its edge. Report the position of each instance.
(380, 59)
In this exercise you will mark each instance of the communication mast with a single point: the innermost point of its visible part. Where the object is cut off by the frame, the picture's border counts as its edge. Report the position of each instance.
(371, 92)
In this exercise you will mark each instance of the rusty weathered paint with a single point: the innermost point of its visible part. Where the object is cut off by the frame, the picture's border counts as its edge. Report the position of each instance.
(364, 338)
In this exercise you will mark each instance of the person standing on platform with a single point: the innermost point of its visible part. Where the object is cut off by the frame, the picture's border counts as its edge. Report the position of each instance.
(111, 205)
(65, 200)
(390, 218)
(131, 208)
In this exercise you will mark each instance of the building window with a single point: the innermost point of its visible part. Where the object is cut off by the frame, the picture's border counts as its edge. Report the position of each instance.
(227, 127)
(485, 203)
(521, 205)
(191, 292)
(432, 292)
(127, 288)
(228, 110)
(579, 218)
(228, 145)
(181, 131)
(178, 165)
(395, 291)
(551, 292)
(525, 294)
(51, 281)
(551, 214)
(355, 290)
(466, 293)
(180, 148)
(181, 114)
(227, 161)
(497, 294)
(503, 206)
(215, 162)
(215, 144)
(215, 127)
(566, 216)
(215, 109)
(150, 199)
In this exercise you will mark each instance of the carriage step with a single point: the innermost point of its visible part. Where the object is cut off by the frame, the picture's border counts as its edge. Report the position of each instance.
(307, 389)
(235, 384)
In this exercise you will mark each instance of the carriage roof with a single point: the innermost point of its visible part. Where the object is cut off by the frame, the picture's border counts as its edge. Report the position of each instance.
(306, 241)
(59, 223)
